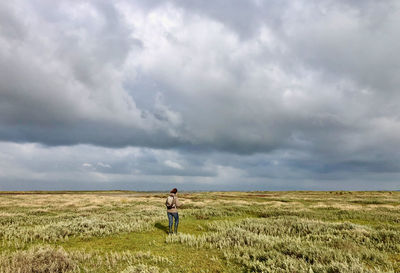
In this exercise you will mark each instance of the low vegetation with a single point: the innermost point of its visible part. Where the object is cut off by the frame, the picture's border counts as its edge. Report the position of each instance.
(218, 232)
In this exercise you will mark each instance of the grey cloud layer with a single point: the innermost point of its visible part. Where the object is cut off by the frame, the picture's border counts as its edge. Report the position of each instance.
(83, 167)
(313, 78)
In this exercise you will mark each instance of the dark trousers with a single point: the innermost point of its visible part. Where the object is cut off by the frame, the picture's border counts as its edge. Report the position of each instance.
(171, 216)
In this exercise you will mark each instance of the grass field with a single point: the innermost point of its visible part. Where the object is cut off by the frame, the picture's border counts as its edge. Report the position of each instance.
(218, 232)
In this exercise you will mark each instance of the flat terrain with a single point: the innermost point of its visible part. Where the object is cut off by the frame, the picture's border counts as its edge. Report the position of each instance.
(218, 232)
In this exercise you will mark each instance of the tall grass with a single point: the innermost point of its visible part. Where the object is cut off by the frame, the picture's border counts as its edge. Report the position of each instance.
(240, 232)
(292, 244)
(40, 259)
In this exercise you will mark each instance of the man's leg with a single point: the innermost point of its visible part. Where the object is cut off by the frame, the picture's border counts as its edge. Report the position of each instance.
(170, 220)
(176, 216)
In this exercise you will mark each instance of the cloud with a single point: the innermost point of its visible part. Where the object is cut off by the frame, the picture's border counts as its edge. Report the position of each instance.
(310, 85)
(68, 168)
(173, 164)
(104, 165)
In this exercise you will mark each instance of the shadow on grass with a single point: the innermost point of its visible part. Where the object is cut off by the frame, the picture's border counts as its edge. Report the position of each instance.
(161, 227)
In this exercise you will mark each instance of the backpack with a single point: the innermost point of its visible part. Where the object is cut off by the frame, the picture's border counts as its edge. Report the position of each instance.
(170, 202)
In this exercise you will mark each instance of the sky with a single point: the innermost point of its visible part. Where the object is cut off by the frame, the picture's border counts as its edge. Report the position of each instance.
(200, 95)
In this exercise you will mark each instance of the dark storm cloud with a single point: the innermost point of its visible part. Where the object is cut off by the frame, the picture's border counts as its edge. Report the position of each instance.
(248, 90)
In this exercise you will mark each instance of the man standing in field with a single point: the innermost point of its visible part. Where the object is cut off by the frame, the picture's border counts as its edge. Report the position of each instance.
(172, 204)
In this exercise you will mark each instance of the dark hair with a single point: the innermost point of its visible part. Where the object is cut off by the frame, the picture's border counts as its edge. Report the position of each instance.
(174, 190)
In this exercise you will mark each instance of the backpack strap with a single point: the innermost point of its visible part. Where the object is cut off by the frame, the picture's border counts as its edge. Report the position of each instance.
(174, 202)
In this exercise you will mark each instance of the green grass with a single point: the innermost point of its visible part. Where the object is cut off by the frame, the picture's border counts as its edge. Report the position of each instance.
(182, 258)
(218, 232)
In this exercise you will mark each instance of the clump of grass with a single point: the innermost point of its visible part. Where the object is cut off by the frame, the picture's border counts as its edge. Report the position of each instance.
(39, 259)
(141, 268)
(90, 261)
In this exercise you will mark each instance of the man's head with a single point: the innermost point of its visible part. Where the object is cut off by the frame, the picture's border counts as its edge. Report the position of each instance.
(174, 190)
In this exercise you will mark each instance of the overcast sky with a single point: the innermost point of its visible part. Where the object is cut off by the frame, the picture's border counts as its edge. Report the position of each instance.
(200, 95)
